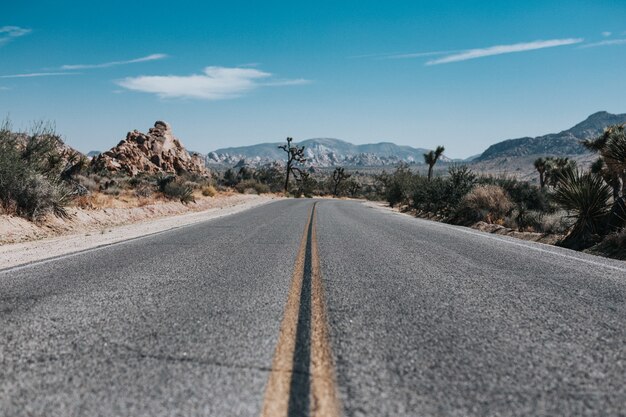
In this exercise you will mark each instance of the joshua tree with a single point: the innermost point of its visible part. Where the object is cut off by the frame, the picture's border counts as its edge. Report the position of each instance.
(305, 183)
(431, 159)
(611, 146)
(295, 155)
(338, 176)
(557, 168)
(540, 165)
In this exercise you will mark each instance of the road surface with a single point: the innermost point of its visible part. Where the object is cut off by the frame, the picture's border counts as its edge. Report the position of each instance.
(343, 309)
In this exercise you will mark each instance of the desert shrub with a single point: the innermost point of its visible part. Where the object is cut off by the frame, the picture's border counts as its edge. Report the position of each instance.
(442, 195)
(272, 176)
(489, 203)
(613, 245)
(90, 182)
(162, 181)
(176, 190)
(113, 190)
(209, 191)
(252, 187)
(31, 173)
(398, 187)
(555, 223)
(526, 220)
(586, 198)
(521, 193)
(143, 191)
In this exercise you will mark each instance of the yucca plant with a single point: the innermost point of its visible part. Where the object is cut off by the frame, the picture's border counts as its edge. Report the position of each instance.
(586, 197)
(431, 159)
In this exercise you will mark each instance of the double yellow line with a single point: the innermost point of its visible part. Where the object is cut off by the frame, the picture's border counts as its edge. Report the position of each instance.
(323, 400)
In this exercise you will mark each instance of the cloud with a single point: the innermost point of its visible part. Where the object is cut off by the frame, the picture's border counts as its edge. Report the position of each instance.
(8, 33)
(503, 49)
(38, 74)
(604, 43)
(418, 54)
(606, 34)
(153, 57)
(215, 83)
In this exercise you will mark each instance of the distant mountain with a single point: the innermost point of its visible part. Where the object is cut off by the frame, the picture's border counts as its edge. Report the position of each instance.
(565, 143)
(323, 152)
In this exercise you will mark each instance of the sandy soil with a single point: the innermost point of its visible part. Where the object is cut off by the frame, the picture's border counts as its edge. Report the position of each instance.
(24, 242)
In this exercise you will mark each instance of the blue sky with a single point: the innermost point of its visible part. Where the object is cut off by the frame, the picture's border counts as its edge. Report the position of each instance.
(464, 74)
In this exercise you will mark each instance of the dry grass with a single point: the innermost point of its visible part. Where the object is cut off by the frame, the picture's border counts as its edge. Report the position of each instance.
(126, 199)
(488, 203)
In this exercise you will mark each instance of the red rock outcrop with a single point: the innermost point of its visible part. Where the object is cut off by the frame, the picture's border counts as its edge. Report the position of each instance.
(154, 152)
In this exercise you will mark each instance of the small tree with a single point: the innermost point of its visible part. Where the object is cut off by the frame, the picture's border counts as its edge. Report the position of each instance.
(541, 165)
(339, 175)
(431, 159)
(611, 146)
(295, 155)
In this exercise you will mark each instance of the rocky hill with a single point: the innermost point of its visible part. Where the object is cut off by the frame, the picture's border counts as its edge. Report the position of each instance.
(565, 143)
(322, 152)
(153, 152)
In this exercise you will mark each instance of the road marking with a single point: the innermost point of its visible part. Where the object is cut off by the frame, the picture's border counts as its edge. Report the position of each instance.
(536, 246)
(324, 386)
(302, 380)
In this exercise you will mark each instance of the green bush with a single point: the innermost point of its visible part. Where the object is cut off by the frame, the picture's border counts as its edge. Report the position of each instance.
(31, 168)
(251, 186)
(176, 190)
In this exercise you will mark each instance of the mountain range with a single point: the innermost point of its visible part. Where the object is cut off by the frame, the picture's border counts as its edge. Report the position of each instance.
(323, 152)
(565, 143)
(327, 152)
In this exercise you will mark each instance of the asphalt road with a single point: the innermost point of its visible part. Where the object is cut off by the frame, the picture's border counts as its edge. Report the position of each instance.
(418, 319)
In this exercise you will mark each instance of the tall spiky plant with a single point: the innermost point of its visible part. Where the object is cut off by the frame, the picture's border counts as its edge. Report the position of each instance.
(611, 145)
(586, 198)
(431, 159)
(540, 165)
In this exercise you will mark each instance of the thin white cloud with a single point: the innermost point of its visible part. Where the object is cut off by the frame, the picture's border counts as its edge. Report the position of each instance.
(606, 34)
(604, 43)
(419, 54)
(215, 83)
(153, 57)
(8, 33)
(503, 49)
(38, 74)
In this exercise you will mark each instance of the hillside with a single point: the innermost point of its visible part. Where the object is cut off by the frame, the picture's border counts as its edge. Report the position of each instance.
(323, 152)
(565, 143)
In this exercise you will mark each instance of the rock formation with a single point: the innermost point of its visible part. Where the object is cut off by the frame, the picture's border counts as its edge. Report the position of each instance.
(154, 152)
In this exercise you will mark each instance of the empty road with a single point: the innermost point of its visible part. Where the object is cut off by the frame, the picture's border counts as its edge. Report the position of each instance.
(315, 307)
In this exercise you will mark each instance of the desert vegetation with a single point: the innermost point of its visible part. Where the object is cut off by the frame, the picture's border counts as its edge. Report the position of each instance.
(586, 209)
(41, 176)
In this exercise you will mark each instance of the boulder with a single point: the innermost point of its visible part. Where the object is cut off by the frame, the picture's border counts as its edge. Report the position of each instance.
(157, 151)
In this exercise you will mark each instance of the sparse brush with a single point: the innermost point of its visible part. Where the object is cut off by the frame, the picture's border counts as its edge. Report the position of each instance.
(252, 187)
(209, 191)
(30, 173)
(489, 203)
(175, 190)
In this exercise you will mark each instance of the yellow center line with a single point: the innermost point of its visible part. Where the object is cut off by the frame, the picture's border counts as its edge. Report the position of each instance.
(324, 400)
(323, 385)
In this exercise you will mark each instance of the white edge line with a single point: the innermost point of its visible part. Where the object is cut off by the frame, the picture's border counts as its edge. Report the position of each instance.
(120, 242)
(513, 242)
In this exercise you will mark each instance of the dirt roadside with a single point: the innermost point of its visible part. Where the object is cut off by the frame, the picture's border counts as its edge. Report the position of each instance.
(23, 242)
